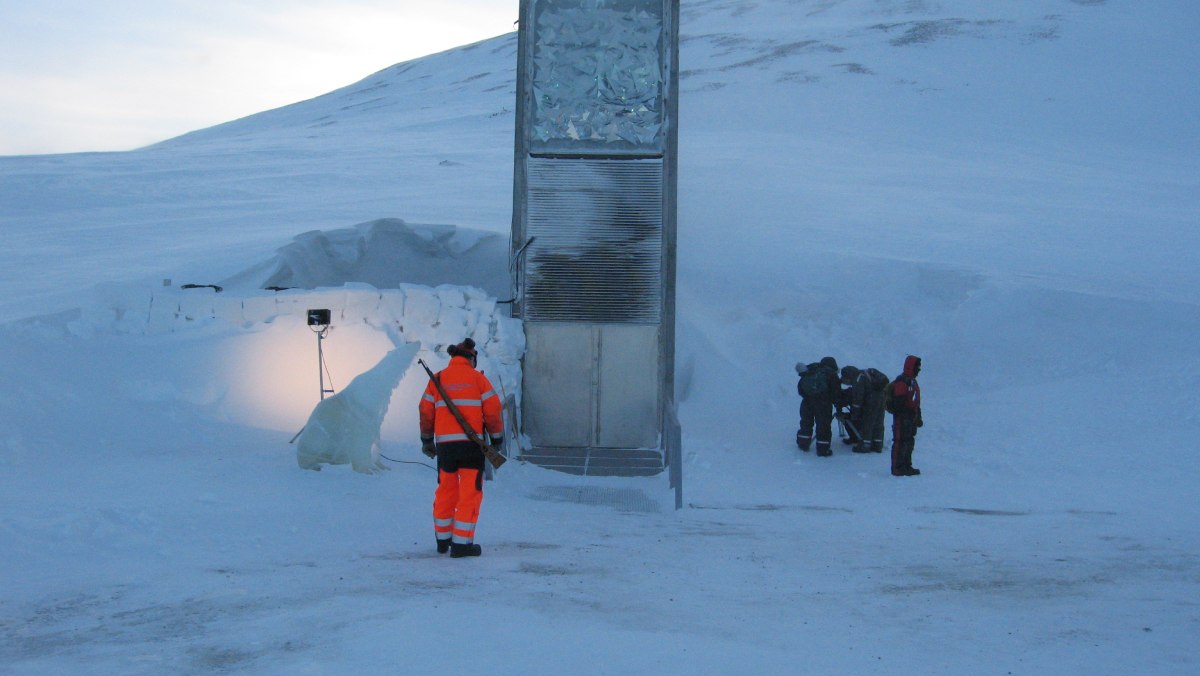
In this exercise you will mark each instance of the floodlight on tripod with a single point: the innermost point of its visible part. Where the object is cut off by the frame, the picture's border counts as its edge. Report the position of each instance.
(318, 321)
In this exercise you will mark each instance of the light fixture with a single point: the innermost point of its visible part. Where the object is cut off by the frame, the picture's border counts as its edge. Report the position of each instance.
(318, 321)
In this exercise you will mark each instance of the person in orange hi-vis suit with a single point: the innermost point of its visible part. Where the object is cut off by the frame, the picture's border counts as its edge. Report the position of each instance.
(459, 460)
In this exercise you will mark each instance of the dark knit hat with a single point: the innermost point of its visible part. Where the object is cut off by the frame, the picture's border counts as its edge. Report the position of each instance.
(463, 349)
(830, 362)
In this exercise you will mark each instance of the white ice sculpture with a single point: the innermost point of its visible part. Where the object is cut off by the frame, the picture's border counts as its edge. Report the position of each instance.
(344, 428)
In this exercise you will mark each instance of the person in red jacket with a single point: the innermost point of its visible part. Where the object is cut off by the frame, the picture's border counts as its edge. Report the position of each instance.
(459, 460)
(906, 417)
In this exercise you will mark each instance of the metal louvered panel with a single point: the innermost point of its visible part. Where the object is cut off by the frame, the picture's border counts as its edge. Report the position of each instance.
(597, 256)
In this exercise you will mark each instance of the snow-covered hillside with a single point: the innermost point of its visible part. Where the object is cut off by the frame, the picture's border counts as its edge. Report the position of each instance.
(1007, 189)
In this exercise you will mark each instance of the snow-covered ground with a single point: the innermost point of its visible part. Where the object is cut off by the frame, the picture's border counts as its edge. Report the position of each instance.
(1007, 189)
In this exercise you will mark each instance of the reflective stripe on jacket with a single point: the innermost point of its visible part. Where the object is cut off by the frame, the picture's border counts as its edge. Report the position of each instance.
(471, 393)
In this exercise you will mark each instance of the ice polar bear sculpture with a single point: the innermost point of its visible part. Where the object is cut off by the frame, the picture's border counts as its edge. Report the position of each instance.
(344, 428)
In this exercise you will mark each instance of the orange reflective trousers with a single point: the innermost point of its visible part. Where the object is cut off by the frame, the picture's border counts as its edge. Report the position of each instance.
(456, 505)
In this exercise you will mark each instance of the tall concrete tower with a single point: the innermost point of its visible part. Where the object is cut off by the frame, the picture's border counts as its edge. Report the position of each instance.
(594, 222)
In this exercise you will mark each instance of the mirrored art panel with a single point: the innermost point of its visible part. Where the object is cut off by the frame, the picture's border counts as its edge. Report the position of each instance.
(598, 77)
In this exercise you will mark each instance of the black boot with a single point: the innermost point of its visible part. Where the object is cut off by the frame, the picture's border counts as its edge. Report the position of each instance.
(443, 546)
(802, 441)
(458, 551)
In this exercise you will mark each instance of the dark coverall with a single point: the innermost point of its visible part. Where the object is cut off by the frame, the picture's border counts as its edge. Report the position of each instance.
(906, 401)
(817, 411)
(866, 409)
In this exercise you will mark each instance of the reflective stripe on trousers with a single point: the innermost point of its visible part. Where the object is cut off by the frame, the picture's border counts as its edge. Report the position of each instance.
(456, 505)
(442, 528)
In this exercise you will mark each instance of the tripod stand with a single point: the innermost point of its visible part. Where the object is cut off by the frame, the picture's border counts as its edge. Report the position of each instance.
(318, 321)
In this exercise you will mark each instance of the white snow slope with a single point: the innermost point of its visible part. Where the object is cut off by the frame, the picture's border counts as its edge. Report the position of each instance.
(1007, 189)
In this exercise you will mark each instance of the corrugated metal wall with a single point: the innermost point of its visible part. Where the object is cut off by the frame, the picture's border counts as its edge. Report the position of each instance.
(598, 226)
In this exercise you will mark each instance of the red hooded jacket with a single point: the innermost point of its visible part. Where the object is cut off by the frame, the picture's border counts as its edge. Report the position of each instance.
(906, 393)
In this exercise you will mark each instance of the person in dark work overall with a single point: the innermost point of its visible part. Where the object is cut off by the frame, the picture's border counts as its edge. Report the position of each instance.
(904, 403)
(818, 388)
(864, 397)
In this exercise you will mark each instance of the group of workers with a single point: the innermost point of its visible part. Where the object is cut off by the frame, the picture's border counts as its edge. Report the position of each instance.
(858, 399)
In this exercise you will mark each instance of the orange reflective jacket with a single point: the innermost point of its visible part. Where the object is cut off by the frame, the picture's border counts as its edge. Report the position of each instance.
(474, 396)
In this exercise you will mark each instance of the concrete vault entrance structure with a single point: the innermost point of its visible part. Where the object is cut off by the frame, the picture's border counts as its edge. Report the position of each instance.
(594, 233)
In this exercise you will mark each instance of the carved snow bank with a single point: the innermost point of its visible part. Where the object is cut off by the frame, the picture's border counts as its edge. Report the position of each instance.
(261, 357)
(385, 253)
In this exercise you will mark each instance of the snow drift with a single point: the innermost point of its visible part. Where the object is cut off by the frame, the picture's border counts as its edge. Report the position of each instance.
(385, 253)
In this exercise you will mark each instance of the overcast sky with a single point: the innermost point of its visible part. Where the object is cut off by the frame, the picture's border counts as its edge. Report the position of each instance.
(82, 75)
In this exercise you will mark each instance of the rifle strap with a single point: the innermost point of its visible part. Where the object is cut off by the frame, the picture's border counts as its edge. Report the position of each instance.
(490, 453)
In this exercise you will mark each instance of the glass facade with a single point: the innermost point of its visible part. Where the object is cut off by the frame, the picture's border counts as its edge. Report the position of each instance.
(598, 77)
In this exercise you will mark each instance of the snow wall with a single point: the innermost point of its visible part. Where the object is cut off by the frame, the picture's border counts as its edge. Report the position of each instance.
(252, 358)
